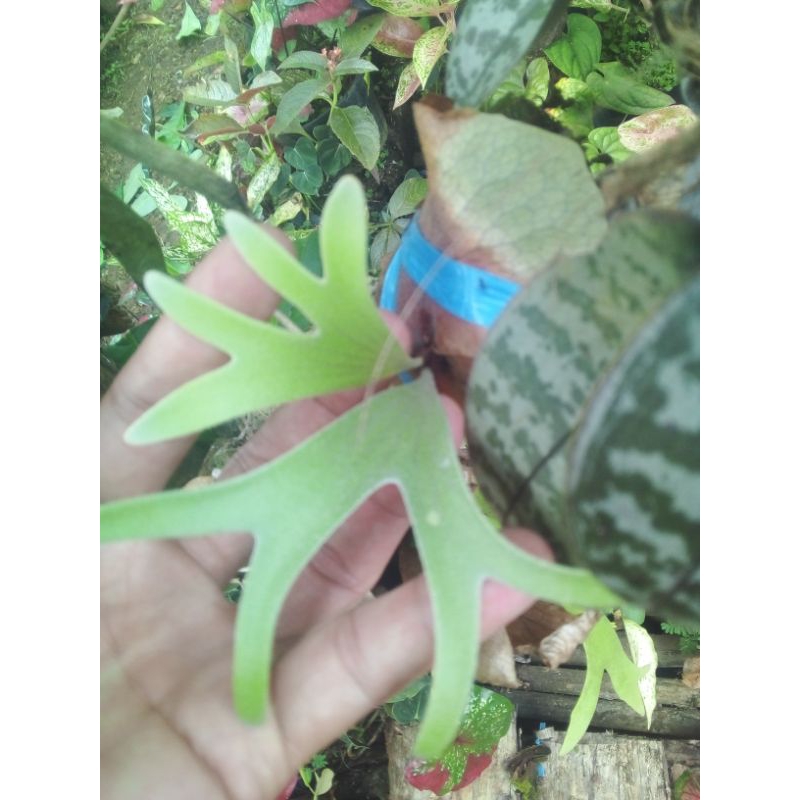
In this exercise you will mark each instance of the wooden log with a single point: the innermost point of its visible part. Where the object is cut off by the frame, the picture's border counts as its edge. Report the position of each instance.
(493, 784)
(605, 766)
(550, 695)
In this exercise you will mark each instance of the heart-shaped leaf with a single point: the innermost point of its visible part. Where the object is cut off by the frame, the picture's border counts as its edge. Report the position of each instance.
(577, 52)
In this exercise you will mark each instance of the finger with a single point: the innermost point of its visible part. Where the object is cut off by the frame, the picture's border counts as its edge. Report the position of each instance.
(344, 669)
(167, 358)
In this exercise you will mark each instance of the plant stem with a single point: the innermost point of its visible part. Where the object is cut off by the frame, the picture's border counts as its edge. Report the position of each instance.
(121, 14)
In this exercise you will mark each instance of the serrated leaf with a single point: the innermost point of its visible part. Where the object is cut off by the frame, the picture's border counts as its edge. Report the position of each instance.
(407, 84)
(397, 36)
(537, 378)
(410, 8)
(189, 24)
(129, 237)
(354, 66)
(430, 47)
(492, 37)
(615, 87)
(358, 36)
(262, 181)
(357, 130)
(407, 196)
(297, 98)
(305, 59)
(577, 52)
(604, 653)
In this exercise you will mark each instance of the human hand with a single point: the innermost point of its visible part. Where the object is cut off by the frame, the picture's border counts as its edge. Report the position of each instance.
(168, 725)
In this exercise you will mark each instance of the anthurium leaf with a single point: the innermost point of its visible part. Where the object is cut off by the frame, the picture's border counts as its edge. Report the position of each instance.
(540, 374)
(655, 127)
(486, 720)
(508, 207)
(337, 357)
(293, 102)
(604, 653)
(644, 655)
(634, 466)
(129, 237)
(409, 8)
(189, 24)
(332, 156)
(357, 130)
(358, 36)
(407, 196)
(262, 181)
(407, 83)
(307, 501)
(615, 87)
(492, 37)
(430, 47)
(157, 156)
(397, 36)
(305, 59)
(577, 52)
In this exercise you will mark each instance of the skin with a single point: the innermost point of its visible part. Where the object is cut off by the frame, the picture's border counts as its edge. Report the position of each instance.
(168, 729)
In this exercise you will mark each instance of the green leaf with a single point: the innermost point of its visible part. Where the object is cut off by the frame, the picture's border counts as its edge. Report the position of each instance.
(492, 37)
(619, 89)
(358, 132)
(129, 237)
(354, 66)
(297, 98)
(384, 244)
(305, 59)
(607, 140)
(604, 653)
(407, 196)
(262, 181)
(210, 93)
(577, 52)
(533, 391)
(430, 47)
(645, 657)
(410, 8)
(407, 83)
(332, 156)
(233, 70)
(261, 43)
(655, 127)
(537, 77)
(358, 36)
(189, 24)
(333, 361)
(324, 782)
(287, 210)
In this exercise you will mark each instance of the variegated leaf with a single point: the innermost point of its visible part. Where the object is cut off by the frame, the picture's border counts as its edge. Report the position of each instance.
(407, 84)
(428, 50)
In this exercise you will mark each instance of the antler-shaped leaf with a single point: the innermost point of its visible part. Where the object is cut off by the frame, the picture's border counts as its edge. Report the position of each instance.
(349, 347)
(307, 500)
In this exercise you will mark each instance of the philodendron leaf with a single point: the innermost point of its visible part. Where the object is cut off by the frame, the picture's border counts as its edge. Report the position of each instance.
(604, 653)
(129, 237)
(533, 389)
(181, 168)
(577, 52)
(307, 501)
(336, 355)
(357, 130)
(492, 37)
(429, 48)
(532, 201)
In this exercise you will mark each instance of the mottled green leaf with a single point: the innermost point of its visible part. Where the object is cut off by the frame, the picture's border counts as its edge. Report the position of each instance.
(492, 36)
(287, 210)
(537, 378)
(358, 132)
(407, 84)
(577, 52)
(129, 237)
(189, 24)
(262, 181)
(430, 47)
(295, 100)
(655, 127)
(615, 87)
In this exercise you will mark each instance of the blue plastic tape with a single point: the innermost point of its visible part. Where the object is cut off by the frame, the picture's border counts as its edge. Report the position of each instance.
(465, 291)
